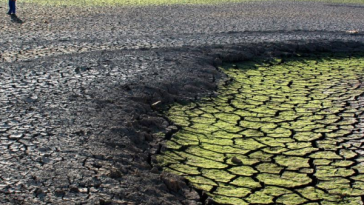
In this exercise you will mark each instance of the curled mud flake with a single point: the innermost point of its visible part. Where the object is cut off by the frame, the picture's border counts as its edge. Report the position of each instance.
(287, 179)
(291, 199)
(229, 127)
(307, 170)
(170, 158)
(260, 197)
(300, 152)
(347, 154)
(318, 162)
(217, 175)
(261, 156)
(251, 125)
(202, 162)
(358, 185)
(246, 182)
(186, 141)
(233, 191)
(278, 132)
(242, 170)
(203, 120)
(328, 145)
(199, 151)
(210, 109)
(201, 180)
(266, 195)
(228, 200)
(358, 178)
(204, 128)
(203, 187)
(274, 142)
(314, 194)
(340, 189)
(230, 118)
(173, 145)
(180, 121)
(252, 133)
(292, 163)
(248, 144)
(166, 169)
(269, 168)
(182, 168)
(343, 163)
(224, 149)
(298, 145)
(325, 155)
(241, 106)
(216, 141)
(225, 135)
(274, 150)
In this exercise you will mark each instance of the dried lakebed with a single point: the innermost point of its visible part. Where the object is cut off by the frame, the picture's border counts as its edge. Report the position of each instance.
(283, 132)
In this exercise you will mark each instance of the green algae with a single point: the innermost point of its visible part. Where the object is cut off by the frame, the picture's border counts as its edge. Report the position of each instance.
(243, 171)
(232, 191)
(246, 182)
(291, 199)
(217, 175)
(279, 133)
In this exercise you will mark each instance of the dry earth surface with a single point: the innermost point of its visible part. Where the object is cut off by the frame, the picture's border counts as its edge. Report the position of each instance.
(285, 132)
(77, 122)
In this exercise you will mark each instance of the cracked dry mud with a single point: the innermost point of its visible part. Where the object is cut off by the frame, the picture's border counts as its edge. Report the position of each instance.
(287, 132)
(77, 85)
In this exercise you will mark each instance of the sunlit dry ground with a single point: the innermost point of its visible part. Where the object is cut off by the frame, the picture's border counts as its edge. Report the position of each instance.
(289, 133)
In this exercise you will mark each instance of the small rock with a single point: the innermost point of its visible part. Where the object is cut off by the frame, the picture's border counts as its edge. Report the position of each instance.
(235, 160)
(353, 32)
(114, 174)
(39, 193)
(15, 136)
(217, 62)
(59, 193)
(105, 202)
(172, 184)
(74, 190)
(148, 137)
(154, 105)
(154, 170)
(209, 200)
(83, 190)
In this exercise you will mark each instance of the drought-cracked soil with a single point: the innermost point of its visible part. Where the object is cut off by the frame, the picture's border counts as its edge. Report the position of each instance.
(289, 133)
(79, 122)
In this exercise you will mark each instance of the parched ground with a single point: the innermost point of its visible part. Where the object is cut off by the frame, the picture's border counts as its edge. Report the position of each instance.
(77, 119)
(287, 133)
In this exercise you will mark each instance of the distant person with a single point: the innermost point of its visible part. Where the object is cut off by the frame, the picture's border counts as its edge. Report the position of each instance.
(12, 7)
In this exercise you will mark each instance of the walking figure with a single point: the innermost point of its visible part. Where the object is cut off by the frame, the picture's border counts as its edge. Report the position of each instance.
(12, 7)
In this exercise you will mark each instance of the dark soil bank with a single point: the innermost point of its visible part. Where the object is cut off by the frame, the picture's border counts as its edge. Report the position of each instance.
(79, 87)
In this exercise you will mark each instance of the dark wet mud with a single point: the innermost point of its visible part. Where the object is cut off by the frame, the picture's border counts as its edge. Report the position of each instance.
(282, 132)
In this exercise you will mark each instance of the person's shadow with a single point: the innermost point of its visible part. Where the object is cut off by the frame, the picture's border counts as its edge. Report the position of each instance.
(15, 19)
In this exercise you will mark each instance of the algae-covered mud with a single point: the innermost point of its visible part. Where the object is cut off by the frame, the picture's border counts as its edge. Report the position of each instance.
(283, 132)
